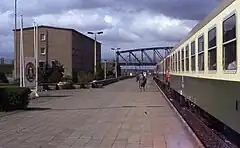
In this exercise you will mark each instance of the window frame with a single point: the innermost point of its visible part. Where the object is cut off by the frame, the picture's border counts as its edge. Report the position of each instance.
(187, 58)
(193, 55)
(212, 48)
(199, 53)
(182, 60)
(43, 53)
(44, 39)
(179, 60)
(175, 61)
(226, 71)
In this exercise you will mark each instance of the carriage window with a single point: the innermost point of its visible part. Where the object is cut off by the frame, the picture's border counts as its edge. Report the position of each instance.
(179, 61)
(170, 63)
(187, 57)
(182, 57)
(229, 44)
(193, 56)
(201, 53)
(173, 62)
(212, 49)
(176, 62)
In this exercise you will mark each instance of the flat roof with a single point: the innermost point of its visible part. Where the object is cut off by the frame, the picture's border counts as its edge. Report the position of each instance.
(224, 4)
(61, 28)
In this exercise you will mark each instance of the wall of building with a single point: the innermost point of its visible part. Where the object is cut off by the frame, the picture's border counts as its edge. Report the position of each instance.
(57, 43)
(83, 52)
(28, 47)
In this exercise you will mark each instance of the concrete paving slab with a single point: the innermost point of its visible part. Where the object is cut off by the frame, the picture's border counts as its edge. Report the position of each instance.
(118, 115)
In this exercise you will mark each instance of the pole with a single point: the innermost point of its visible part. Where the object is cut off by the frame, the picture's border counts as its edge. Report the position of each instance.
(20, 56)
(116, 73)
(105, 69)
(126, 69)
(15, 38)
(95, 54)
(34, 39)
(36, 64)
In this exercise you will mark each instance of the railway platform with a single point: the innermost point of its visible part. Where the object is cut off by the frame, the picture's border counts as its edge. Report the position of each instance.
(117, 116)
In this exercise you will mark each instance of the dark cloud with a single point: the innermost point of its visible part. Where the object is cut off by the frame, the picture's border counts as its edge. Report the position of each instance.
(39, 7)
(126, 23)
(180, 9)
(186, 9)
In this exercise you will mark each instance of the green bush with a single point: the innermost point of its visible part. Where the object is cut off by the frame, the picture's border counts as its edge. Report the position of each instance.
(16, 81)
(13, 98)
(66, 78)
(3, 78)
(99, 75)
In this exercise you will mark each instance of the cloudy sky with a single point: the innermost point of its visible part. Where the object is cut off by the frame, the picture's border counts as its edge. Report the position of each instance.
(125, 23)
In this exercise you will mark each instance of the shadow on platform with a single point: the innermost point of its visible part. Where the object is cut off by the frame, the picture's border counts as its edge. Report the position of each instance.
(36, 109)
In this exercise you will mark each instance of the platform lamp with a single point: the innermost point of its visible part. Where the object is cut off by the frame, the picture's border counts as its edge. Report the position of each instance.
(115, 54)
(95, 49)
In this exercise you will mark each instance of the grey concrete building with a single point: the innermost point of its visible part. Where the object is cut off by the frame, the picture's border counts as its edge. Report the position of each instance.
(73, 49)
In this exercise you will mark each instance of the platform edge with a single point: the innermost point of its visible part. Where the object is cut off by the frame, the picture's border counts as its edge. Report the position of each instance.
(200, 145)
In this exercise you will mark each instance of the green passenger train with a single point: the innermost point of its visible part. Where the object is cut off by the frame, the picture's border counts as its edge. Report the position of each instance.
(205, 66)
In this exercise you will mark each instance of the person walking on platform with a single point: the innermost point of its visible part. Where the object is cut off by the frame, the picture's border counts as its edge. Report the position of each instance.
(142, 82)
(137, 79)
(168, 84)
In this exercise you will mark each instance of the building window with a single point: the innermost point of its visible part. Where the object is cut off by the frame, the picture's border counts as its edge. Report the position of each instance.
(212, 49)
(187, 57)
(42, 37)
(182, 57)
(193, 56)
(229, 44)
(43, 51)
(201, 53)
(41, 65)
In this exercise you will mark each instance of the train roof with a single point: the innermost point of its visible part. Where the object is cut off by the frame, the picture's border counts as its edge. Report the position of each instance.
(224, 4)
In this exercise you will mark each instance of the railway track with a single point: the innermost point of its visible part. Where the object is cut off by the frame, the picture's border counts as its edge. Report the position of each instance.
(209, 137)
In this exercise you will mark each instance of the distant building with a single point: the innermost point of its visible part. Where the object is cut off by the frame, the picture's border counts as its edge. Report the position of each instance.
(2, 61)
(70, 47)
(6, 61)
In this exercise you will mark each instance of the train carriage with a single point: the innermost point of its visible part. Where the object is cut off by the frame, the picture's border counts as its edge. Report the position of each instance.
(207, 63)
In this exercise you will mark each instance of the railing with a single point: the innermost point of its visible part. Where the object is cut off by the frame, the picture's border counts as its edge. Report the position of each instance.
(109, 81)
(95, 84)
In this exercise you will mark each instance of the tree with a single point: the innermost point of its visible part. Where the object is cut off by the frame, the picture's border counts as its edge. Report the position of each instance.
(100, 74)
(51, 74)
(3, 78)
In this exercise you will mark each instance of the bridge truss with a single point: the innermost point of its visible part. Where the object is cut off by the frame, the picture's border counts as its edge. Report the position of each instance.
(141, 56)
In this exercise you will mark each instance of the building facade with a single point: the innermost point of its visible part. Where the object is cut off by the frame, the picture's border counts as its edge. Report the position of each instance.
(68, 46)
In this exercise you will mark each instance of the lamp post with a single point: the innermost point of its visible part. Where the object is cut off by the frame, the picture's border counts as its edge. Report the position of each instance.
(105, 69)
(15, 38)
(115, 50)
(95, 49)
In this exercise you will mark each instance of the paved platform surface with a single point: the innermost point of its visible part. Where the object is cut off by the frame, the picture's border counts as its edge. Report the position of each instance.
(118, 116)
